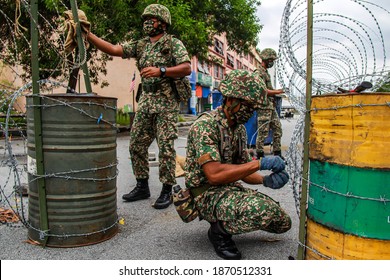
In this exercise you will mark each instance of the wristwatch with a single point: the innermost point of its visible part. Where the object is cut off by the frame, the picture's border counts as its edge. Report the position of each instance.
(163, 71)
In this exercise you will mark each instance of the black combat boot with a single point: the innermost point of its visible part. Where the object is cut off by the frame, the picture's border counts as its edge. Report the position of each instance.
(223, 243)
(165, 198)
(141, 191)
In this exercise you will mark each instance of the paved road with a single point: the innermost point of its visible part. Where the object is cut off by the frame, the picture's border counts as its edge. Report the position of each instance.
(150, 234)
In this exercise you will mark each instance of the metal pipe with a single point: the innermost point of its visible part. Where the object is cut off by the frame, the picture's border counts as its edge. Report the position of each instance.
(81, 46)
(305, 175)
(40, 168)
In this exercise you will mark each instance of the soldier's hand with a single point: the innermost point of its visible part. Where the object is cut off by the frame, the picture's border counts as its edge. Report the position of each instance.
(273, 163)
(150, 71)
(276, 180)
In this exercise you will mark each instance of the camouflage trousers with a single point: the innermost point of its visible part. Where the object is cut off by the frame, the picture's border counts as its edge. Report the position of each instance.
(244, 210)
(268, 119)
(147, 127)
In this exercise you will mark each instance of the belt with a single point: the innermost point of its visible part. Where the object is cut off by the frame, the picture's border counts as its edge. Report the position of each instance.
(152, 87)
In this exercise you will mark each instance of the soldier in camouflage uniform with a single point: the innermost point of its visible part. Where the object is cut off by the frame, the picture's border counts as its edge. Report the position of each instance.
(159, 57)
(217, 159)
(267, 117)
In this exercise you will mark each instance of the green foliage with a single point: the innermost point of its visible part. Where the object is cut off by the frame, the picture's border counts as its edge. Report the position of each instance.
(117, 21)
(385, 85)
(180, 118)
(122, 118)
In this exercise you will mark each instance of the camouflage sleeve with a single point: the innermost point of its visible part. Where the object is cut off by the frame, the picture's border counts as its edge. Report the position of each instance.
(180, 54)
(268, 82)
(244, 138)
(262, 72)
(206, 142)
(130, 49)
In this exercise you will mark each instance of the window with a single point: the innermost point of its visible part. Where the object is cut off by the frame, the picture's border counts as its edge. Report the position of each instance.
(218, 71)
(239, 64)
(230, 60)
(206, 68)
(251, 59)
(203, 67)
(200, 67)
(218, 46)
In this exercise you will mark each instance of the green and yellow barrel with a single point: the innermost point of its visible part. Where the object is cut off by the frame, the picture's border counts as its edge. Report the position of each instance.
(349, 191)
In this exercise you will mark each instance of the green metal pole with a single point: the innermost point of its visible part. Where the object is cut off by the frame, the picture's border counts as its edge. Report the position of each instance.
(81, 46)
(44, 223)
(309, 80)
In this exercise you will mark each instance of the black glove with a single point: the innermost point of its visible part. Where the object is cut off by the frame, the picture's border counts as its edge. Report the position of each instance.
(276, 180)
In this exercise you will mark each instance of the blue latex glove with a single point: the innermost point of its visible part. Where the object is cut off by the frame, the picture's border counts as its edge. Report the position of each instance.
(274, 163)
(276, 180)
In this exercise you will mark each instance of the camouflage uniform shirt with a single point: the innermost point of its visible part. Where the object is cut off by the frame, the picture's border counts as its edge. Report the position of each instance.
(263, 73)
(204, 144)
(157, 54)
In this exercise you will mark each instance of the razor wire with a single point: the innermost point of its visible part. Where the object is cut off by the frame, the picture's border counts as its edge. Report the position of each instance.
(347, 49)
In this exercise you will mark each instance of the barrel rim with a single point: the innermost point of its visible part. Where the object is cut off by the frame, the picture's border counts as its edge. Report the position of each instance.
(350, 93)
(78, 95)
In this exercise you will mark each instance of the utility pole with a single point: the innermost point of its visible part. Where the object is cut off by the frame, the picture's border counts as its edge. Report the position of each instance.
(305, 175)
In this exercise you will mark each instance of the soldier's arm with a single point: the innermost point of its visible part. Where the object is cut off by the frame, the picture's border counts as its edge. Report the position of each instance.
(176, 71)
(272, 92)
(221, 173)
(104, 46)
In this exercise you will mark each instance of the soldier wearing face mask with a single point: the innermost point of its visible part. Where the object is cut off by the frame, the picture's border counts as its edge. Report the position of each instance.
(159, 57)
(267, 116)
(217, 159)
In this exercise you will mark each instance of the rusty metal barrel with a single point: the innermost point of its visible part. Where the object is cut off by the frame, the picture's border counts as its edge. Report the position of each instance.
(80, 163)
(349, 191)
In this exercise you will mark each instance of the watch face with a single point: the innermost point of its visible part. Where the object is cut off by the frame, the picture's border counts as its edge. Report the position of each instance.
(163, 71)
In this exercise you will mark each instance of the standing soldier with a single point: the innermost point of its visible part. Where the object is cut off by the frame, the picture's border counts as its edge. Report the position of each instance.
(217, 159)
(159, 57)
(267, 116)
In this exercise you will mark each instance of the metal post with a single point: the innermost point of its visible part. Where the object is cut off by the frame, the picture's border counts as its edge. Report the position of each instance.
(44, 223)
(80, 43)
(305, 179)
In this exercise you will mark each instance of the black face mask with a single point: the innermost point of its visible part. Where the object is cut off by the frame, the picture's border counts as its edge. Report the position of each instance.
(150, 30)
(269, 63)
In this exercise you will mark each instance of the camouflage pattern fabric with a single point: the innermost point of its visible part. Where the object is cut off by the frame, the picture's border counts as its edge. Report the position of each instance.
(158, 110)
(158, 11)
(184, 204)
(157, 54)
(266, 78)
(241, 209)
(256, 211)
(244, 85)
(268, 53)
(267, 118)
(147, 127)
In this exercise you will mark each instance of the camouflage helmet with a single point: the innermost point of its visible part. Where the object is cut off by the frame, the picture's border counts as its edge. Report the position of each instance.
(242, 84)
(158, 11)
(268, 53)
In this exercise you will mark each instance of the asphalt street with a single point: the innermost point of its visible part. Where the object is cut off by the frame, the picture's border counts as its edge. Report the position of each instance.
(150, 234)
